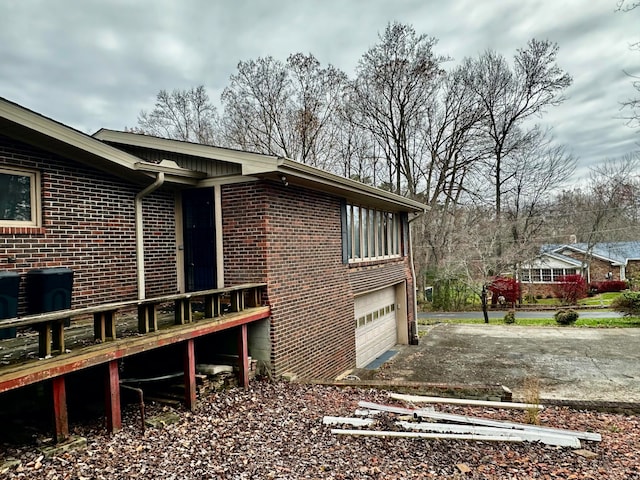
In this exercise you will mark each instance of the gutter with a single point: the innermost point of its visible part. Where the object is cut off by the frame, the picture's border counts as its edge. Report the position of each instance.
(413, 328)
(140, 231)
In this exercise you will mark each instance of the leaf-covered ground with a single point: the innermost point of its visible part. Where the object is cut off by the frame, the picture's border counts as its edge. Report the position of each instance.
(275, 431)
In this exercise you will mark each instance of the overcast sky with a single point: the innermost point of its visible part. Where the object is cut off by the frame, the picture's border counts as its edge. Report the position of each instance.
(92, 64)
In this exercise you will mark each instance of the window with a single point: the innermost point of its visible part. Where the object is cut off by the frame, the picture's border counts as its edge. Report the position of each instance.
(546, 275)
(19, 198)
(372, 234)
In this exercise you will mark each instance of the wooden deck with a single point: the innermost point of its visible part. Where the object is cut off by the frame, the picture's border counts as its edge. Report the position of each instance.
(108, 339)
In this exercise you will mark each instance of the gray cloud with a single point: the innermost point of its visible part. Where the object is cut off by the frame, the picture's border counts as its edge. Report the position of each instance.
(93, 64)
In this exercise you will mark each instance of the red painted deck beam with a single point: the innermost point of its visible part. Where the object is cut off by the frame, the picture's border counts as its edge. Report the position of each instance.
(189, 374)
(17, 376)
(112, 397)
(60, 415)
(243, 356)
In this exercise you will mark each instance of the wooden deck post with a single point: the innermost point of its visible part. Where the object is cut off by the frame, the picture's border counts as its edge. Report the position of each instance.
(243, 356)
(60, 415)
(190, 374)
(147, 318)
(57, 332)
(104, 325)
(237, 301)
(44, 340)
(183, 311)
(212, 305)
(112, 397)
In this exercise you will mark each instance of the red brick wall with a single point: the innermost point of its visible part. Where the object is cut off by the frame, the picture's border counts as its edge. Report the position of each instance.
(244, 220)
(312, 330)
(291, 238)
(542, 290)
(89, 226)
(160, 244)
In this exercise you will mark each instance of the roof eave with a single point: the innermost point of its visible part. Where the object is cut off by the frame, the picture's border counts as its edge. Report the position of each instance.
(40, 131)
(258, 165)
(350, 189)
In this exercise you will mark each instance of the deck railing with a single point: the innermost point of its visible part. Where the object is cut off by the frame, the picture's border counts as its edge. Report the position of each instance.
(50, 326)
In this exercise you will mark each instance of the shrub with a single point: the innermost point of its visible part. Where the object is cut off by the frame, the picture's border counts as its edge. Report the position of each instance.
(570, 289)
(566, 317)
(506, 287)
(628, 303)
(608, 286)
(510, 317)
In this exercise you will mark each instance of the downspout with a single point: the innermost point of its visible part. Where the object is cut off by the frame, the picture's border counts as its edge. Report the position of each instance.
(413, 330)
(140, 231)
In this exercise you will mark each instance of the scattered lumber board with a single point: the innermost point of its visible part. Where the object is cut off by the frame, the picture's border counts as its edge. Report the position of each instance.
(394, 409)
(449, 417)
(356, 422)
(461, 401)
(427, 436)
(559, 440)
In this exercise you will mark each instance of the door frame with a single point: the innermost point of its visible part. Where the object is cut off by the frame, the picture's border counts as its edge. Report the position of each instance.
(179, 233)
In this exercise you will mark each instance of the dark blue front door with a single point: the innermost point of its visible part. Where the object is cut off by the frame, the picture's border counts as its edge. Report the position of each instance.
(199, 239)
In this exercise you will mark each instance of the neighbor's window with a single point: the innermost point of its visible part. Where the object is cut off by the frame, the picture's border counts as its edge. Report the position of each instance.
(372, 234)
(545, 275)
(19, 198)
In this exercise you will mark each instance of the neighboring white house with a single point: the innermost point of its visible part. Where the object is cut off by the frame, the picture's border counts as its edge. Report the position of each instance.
(599, 262)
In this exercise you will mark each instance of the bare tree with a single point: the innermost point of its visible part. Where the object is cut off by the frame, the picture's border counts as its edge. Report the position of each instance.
(181, 115)
(453, 147)
(254, 115)
(284, 108)
(511, 95)
(625, 6)
(631, 106)
(395, 81)
(537, 170)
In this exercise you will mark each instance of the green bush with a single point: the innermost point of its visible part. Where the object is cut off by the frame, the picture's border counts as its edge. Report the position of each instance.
(510, 317)
(628, 303)
(566, 316)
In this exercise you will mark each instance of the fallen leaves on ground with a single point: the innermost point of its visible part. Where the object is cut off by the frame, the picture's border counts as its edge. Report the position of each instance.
(275, 431)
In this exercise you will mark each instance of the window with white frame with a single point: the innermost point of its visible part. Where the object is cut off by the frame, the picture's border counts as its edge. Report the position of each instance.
(19, 198)
(372, 234)
(545, 275)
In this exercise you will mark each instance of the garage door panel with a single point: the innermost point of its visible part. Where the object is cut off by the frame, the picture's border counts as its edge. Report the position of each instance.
(379, 333)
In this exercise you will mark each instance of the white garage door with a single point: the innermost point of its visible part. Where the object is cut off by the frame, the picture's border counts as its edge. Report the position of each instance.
(376, 330)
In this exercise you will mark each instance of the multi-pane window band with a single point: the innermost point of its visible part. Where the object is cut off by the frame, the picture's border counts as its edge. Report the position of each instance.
(371, 234)
(19, 198)
(545, 275)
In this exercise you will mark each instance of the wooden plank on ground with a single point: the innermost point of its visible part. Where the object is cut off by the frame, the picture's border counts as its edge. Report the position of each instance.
(392, 409)
(560, 440)
(426, 436)
(462, 401)
(355, 422)
(450, 417)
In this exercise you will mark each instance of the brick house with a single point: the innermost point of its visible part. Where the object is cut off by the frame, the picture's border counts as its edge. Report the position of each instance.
(135, 216)
(597, 263)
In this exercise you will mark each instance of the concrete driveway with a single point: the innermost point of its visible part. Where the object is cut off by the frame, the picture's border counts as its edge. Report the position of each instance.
(584, 364)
